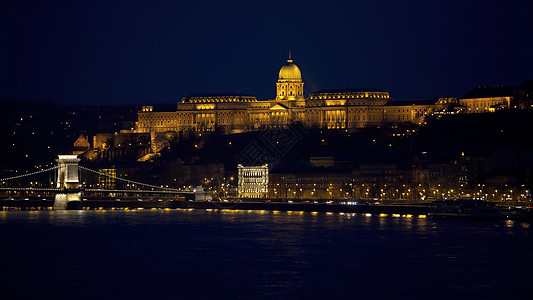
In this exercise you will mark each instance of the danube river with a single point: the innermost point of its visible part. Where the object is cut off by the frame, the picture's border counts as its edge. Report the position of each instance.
(259, 254)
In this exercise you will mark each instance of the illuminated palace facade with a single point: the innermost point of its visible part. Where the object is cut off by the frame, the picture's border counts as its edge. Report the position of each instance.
(346, 109)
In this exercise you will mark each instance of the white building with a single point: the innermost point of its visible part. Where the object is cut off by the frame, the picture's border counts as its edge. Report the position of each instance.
(253, 181)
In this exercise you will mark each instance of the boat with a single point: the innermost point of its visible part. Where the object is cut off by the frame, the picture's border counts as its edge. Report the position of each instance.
(519, 213)
(465, 209)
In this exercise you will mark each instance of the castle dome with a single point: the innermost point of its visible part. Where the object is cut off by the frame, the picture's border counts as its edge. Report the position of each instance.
(290, 71)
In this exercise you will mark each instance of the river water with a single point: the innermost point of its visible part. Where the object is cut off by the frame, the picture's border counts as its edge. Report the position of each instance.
(199, 254)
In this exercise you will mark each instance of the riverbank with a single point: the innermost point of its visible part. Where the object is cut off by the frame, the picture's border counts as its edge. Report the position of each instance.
(517, 213)
(248, 205)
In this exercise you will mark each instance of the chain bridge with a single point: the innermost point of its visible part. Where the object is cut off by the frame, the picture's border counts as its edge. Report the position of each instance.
(70, 183)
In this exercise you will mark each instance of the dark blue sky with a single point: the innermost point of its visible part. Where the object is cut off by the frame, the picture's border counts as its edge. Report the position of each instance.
(117, 52)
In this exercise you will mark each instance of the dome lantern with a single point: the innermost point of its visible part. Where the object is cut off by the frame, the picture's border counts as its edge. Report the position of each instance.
(290, 71)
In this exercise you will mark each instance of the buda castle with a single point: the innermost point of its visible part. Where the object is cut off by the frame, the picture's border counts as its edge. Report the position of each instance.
(346, 109)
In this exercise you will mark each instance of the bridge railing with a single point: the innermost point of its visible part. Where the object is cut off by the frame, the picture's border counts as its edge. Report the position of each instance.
(21, 183)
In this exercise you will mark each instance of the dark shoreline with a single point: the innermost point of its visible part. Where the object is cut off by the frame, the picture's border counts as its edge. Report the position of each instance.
(184, 204)
(421, 210)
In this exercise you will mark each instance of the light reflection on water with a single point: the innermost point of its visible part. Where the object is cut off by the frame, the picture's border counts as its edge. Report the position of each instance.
(251, 254)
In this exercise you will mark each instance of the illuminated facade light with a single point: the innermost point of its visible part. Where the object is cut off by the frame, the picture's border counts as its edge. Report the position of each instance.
(252, 181)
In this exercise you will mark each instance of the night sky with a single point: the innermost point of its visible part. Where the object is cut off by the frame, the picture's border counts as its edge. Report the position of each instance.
(142, 52)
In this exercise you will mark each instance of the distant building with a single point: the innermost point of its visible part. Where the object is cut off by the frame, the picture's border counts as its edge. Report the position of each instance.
(408, 111)
(483, 99)
(317, 184)
(81, 145)
(107, 182)
(371, 181)
(252, 181)
(346, 109)
(523, 96)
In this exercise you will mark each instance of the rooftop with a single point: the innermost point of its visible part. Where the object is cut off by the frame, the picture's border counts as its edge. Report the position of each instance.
(356, 90)
(498, 90)
(219, 97)
(411, 102)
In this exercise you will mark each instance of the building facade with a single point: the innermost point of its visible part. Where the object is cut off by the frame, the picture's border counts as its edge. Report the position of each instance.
(346, 109)
(252, 181)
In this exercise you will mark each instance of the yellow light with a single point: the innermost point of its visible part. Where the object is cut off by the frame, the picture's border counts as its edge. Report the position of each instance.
(205, 106)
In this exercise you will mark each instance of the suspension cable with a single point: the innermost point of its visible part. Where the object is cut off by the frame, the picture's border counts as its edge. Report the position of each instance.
(29, 174)
(129, 181)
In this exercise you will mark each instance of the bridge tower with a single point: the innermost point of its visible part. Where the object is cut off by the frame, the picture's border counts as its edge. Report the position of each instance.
(67, 174)
(68, 180)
